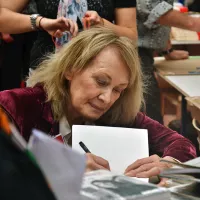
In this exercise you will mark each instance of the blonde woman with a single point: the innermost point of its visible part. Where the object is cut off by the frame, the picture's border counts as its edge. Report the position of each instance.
(95, 78)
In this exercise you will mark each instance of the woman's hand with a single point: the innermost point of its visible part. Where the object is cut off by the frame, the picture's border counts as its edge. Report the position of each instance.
(148, 167)
(92, 18)
(56, 27)
(95, 162)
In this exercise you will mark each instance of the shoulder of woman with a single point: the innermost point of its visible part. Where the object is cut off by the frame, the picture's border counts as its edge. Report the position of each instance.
(16, 102)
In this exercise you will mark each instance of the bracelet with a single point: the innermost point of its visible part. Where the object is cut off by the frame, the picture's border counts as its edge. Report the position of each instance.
(33, 19)
(163, 53)
(39, 25)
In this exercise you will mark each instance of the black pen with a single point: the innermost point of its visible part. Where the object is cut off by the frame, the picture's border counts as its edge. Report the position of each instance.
(84, 147)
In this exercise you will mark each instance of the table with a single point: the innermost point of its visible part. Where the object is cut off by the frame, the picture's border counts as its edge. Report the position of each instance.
(187, 85)
(184, 42)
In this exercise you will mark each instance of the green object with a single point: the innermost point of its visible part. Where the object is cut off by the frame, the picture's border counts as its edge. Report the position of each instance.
(31, 157)
(194, 57)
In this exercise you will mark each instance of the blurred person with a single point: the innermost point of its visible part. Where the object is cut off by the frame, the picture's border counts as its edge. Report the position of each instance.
(154, 19)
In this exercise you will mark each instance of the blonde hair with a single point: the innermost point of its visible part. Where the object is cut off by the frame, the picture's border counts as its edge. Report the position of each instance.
(74, 57)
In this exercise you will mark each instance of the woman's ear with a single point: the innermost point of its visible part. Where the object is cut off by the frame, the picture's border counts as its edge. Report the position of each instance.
(69, 76)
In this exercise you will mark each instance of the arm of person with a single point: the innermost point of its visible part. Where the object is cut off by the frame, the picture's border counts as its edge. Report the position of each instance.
(176, 19)
(172, 54)
(125, 22)
(163, 14)
(16, 103)
(10, 20)
(14, 23)
(163, 142)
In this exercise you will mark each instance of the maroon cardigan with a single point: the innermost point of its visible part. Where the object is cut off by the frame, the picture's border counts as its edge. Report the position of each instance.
(28, 109)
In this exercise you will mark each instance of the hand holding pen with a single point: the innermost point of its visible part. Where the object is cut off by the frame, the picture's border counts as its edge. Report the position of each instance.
(94, 162)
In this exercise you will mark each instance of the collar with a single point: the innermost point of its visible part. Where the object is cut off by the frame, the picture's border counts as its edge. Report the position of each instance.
(65, 129)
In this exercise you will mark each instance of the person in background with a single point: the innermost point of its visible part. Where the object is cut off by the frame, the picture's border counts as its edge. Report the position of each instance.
(154, 19)
(80, 84)
(195, 115)
(14, 61)
(102, 12)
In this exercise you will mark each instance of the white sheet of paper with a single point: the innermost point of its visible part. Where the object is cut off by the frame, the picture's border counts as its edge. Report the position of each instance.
(63, 167)
(120, 146)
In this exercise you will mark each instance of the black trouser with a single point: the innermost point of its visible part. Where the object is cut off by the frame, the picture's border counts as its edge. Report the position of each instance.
(152, 95)
(15, 58)
(11, 64)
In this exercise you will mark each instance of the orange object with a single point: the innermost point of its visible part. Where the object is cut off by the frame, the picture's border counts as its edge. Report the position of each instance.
(4, 122)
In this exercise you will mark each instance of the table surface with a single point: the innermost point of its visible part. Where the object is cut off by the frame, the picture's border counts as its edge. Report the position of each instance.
(188, 85)
(189, 66)
(184, 42)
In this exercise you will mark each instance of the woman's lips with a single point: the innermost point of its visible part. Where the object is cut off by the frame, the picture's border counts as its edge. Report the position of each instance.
(97, 107)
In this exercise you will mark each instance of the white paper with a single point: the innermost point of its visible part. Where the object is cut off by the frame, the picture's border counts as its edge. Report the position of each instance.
(119, 146)
(62, 167)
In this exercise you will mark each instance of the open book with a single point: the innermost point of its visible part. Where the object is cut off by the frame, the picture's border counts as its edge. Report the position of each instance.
(108, 185)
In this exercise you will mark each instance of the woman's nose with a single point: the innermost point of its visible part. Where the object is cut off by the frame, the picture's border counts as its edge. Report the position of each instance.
(106, 96)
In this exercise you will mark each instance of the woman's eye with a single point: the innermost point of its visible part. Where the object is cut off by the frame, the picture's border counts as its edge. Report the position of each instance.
(101, 82)
(118, 91)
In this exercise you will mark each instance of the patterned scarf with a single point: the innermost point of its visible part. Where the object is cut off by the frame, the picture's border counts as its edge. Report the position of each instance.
(71, 9)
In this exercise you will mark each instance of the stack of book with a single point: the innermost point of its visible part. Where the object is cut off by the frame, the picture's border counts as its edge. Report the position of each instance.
(187, 178)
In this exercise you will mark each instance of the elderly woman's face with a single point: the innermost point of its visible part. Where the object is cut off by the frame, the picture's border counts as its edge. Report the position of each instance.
(96, 89)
